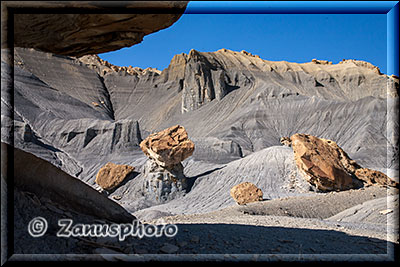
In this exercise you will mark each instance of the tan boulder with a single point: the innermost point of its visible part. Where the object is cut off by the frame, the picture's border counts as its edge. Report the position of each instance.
(111, 175)
(371, 177)
(285, 141)
(322, 162)
(328, 167)
(246, 193)
(168, 147)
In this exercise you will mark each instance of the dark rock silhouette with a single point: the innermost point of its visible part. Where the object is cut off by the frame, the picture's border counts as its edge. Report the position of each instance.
(95, 31)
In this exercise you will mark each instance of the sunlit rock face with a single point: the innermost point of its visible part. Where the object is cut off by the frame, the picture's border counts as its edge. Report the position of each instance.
(328, 167)
(168, 147)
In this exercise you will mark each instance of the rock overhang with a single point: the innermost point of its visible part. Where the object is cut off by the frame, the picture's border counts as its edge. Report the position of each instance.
(81, 28)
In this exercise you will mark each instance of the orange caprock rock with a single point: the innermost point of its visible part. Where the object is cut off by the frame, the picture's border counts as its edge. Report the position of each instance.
(168, 147)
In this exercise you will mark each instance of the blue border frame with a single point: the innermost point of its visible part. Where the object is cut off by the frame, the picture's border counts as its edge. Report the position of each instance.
(290, 7)
(392, 20)
(391, 8)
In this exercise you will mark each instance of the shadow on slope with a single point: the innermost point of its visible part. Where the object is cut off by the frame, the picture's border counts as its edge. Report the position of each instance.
(192, 180)
(212, 241)
(248, 239)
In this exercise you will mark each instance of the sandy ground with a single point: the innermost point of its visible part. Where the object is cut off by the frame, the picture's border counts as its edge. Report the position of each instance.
(280, 229)
(285, 229)
(293, 226)
(311, 212)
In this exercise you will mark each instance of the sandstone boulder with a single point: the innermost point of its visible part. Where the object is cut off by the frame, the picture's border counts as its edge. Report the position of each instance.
(168, 147)
(246, 193)
(111, 175)
(328, 167)
(319, 160)
(285, 141)
(371, 177)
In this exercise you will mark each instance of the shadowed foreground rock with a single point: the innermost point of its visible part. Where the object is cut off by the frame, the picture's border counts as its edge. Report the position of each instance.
(111, 175)
(328, 167)
(246, 193)
(33, 174)
(79, 33)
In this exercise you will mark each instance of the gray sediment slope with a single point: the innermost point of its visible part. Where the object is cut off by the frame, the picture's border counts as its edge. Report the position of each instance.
(234, 106)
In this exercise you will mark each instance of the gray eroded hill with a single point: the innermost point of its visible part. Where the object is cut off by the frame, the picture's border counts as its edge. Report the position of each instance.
(81, 113)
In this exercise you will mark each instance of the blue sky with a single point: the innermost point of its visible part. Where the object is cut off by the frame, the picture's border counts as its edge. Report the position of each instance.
(291, 37)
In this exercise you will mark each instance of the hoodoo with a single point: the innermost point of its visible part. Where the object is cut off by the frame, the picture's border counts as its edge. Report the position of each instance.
(163, 172)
